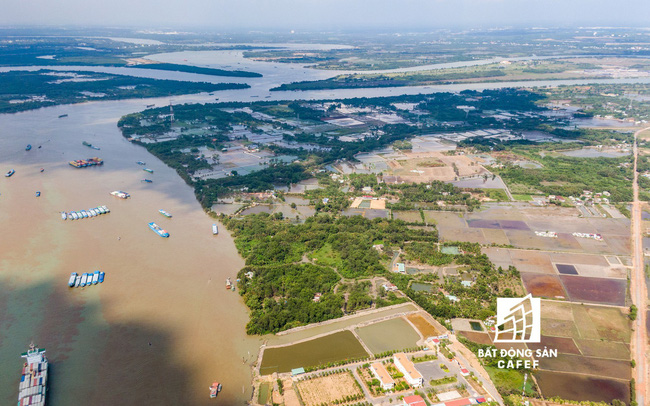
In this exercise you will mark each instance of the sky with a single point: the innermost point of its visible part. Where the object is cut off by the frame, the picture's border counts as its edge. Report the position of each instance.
(311, 15)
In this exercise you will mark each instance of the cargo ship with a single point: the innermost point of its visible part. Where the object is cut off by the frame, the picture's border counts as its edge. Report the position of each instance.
(92, 212)
(90, 145)
(215, 229)
(158, 230)
(148, 170)
(164, 213)
(83, 163)
(33, 382)
(11, 172)
(215, 389)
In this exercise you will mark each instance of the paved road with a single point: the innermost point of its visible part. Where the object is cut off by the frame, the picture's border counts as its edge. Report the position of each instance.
(638, 288)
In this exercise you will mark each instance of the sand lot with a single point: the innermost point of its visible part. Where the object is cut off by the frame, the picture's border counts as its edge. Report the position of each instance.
(327, 389)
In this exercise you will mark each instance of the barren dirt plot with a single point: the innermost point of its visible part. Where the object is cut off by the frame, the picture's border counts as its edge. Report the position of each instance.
(572, 258)
(619, 245)
(611, 227)
(585, 325)
(560, 328)
(564, 345)
(528, 239)
(425, 328)
(411, 216)
(616, 272)
(577, 387)
(611, 323)
(541, 285)
(596, 290)
(462, 234)
(586, 365)
(557, 310)
(327, 389)
(604, 349)
(499, 256)
(444, 219)
(496, 236)
(532, 261)
(596, 247)
(290, 397)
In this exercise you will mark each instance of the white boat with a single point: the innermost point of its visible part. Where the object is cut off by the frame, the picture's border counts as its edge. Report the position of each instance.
(63, 215)
(77, 281)
(73, 278)
(74, 216)
(215, 229)
(120, 194)
(91, 212)
(101, 210)
(84, 280)
(106, 208)
(95, 277)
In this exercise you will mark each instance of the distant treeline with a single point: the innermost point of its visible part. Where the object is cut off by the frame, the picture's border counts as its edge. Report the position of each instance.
(196, 69)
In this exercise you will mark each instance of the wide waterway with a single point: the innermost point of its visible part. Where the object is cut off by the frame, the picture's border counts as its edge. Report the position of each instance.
(161, 328)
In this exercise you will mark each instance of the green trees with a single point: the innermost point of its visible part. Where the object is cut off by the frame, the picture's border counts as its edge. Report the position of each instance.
(281, 294)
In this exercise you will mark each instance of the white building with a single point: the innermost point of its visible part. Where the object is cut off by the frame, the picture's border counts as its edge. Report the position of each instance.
(405, 366)
(379, 370)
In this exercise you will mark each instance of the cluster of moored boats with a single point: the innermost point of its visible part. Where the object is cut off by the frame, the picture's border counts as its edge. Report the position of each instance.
(83, 163)
(76, 215)
(85, 279)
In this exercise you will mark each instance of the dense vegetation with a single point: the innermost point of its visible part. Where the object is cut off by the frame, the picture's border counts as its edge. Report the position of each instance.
(197, 69)
(280, 294)
(47, 88)
(568, 176)
(476, 301)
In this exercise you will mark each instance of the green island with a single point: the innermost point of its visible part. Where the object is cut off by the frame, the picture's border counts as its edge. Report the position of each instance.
(27, 90)
(504, 71)
(197, 69)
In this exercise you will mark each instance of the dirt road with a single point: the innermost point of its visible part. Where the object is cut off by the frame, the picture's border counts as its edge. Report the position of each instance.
(638, 288)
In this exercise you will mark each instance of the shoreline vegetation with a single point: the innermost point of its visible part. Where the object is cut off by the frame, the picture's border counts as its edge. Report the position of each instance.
(197, 69)
(28, 90)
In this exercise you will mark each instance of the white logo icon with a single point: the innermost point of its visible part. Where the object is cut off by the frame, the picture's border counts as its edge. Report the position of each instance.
(518, 320)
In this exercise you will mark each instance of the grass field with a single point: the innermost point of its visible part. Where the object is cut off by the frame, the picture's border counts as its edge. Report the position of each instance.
(509, 380)
(523, 198)
(497, 194)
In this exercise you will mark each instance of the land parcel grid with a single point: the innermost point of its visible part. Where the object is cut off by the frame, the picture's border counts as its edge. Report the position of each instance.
(593, 352)
(516, 224)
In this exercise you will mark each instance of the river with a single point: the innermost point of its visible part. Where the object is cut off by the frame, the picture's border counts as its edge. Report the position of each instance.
(161, 328)
(167, 292)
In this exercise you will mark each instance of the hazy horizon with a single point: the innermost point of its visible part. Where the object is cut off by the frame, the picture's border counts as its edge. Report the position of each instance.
(250, 15)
